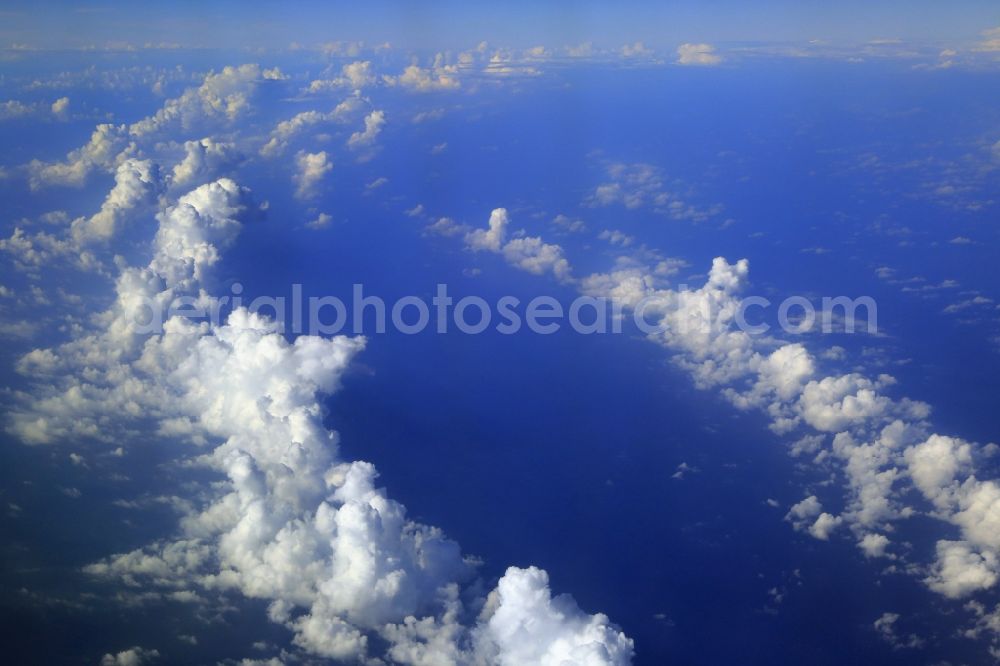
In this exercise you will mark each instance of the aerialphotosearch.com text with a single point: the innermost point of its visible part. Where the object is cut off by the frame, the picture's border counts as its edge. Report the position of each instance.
(655, 314)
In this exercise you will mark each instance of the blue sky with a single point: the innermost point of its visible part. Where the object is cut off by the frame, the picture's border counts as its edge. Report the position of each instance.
(462, 24)
(236, 490)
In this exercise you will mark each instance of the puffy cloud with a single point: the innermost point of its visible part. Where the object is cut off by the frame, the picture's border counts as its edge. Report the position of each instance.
(874, 435)
(185, 246)
(343, 48)
(521, 623)
(697, 54)
(960, 570)
(191, 232)
(610, 193)
(135, 656)
(329, 636)
(203, 160)
(937, 466)
(636, 50)
(373, 125)
(699, 323)
(425, 116)
(781, 376)
(786, 370)
(527, 253)
(885, 622)
(638, 185)
(286, 130)
(137, 189)
(871, 468)
(222, 95)
(881, 442)
(825, 524)
(491, 239)
(356, 75)
(833, 404)
(138, 184)
(616, 237)
(885, 626)
(37, 362)
(583, 50)
(934, 465)
(312, 167)
(15, 109)
(32, 252)
(60, 107)
(874, 545)
(537, 53)
(432, 640)
(359, 74)
(985, 621)
(338, 560)
(297, 528)
(321, 222)
(445, 226)
(440, 76)
(629, 285)
(990, 42)
(533, 255)
(808, 515)
(802, 512)
(979, 513)
(527, 625)
(101, 152)
(504, 62)
(569, 224)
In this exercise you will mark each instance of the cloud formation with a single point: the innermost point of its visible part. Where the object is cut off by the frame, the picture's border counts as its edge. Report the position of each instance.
(373, 126)
(440, 76)
(311, 168)
(138, 184)
(287, 130)
(339, 562)
(697, 54)
(135, 656)
(204, 160)
(529, 253)
(880, 442)
(355, 75)
(222, 97)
